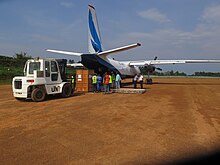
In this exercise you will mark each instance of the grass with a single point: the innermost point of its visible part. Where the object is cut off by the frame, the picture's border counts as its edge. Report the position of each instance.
(5, 81)
(7, 73)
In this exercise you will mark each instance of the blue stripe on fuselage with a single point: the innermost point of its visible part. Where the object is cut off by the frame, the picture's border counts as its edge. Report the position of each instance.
(92, 61)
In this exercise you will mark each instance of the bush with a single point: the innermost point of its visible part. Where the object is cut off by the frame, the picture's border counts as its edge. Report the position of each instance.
(12, 66)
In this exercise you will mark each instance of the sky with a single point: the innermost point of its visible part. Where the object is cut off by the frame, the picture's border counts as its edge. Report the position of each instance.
(168, 29)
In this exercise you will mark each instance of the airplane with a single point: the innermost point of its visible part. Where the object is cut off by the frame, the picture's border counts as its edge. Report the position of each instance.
(100, 61)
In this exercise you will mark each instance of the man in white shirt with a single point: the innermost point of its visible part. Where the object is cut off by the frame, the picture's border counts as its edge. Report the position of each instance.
(140, 80)
(135, 80)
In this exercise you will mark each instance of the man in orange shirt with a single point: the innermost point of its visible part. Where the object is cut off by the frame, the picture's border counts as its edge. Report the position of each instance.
(106, 83)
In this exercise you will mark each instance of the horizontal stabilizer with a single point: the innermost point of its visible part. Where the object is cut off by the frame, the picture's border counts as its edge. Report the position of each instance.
(107, 52)
(64, 52)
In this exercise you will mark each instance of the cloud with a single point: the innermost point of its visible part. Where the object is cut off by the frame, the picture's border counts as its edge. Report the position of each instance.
(212, 14)
(67, 4)
(200, 42)
(44, 38)
(154, 15)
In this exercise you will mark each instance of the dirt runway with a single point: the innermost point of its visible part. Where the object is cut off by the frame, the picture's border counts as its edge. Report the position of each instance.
(176, 119)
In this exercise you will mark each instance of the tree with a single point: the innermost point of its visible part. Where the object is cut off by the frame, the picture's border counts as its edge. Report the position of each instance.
(22, 55)
(21, 58)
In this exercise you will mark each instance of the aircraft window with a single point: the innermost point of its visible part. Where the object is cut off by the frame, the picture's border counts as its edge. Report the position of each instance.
(33, 66)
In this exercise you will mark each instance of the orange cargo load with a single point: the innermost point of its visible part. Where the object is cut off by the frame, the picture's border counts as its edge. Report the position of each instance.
(84, 80)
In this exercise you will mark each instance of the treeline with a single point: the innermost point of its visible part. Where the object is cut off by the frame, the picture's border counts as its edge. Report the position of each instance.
(172, 73)
(210, 74)
(17, 61)
(12, 66)
(169, 73)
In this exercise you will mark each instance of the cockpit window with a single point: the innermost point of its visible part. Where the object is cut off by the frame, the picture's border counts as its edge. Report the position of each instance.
(54, 66)
(33, 66)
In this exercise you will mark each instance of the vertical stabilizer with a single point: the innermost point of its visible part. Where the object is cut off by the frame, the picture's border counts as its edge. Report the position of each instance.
(94, 39)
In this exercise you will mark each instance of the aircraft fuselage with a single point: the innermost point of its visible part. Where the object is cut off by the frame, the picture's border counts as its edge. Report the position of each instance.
(101, 65)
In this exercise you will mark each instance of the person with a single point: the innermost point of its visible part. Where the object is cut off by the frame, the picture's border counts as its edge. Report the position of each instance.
(94, 82)
(140, 80)
(135, 80)
(99, 83)
(117, 81)
(106, 83)
(113, 80)
(110, 82)
(73, 82)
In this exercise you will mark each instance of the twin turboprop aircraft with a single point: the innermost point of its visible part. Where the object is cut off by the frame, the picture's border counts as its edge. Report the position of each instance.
(101, 62)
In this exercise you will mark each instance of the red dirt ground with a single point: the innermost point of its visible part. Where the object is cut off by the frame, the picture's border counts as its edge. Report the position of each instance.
(175, 119)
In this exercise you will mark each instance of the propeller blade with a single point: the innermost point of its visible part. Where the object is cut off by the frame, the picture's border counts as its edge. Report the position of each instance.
(159, 69)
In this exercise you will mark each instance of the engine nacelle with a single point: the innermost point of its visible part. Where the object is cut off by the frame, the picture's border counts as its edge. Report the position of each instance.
(150, 68)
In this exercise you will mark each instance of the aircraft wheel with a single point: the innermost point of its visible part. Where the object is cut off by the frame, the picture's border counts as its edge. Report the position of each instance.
(38, 95)
(149, 81)
(66, 91)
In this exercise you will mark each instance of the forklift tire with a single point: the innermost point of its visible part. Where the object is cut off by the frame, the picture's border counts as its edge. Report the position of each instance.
(66, 91)
(38, 95)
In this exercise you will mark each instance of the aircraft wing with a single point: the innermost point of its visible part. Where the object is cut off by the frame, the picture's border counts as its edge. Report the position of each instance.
(64, 52)
(163, 62)
(156, 62)
(75, 65)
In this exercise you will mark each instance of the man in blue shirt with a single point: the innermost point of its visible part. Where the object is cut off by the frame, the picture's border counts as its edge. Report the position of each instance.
(99, 83)
(117, 81)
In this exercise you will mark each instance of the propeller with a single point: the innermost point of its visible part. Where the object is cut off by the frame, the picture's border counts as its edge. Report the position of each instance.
(155, 58)
(158, 69)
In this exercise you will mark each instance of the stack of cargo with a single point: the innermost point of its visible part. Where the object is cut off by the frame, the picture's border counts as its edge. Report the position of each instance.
(84, 80)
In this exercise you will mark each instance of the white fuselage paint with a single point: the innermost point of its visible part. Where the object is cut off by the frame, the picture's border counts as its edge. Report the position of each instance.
(123, 67)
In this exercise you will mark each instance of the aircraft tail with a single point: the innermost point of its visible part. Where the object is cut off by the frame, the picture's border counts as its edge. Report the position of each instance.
(94, 38)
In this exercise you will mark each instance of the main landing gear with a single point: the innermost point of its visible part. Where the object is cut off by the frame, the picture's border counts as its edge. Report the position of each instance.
(149, 80)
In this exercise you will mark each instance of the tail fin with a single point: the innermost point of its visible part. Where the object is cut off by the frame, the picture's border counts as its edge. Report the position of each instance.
(94, 38)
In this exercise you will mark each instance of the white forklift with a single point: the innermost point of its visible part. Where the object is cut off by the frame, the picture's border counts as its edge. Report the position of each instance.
(42, 77)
